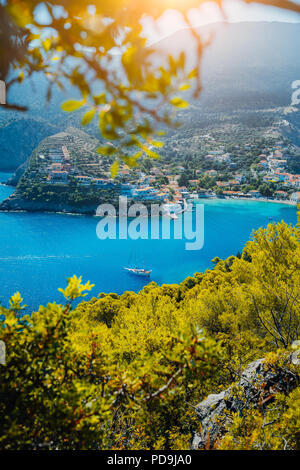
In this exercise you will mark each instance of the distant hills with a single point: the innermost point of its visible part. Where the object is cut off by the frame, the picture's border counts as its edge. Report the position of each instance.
(247, 67)
(19, 138)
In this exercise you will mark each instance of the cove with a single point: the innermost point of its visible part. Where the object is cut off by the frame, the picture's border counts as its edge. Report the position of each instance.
(39, 251)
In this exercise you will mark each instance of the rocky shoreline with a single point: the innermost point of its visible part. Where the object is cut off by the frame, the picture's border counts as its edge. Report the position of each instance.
(15, 203)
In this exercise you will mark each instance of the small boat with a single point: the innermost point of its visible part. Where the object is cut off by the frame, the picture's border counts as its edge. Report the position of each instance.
(142, 272)
(139, 271)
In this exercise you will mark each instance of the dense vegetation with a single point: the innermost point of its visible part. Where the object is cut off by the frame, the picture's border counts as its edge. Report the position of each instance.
(126, 371)
(71, 194)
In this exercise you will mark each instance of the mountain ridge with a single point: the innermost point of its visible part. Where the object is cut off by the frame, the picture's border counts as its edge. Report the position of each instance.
(249, 66)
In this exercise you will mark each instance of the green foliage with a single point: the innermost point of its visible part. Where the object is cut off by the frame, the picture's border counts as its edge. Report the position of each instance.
(61, 194)
(75, 289)
(46, 391)
(59, 394)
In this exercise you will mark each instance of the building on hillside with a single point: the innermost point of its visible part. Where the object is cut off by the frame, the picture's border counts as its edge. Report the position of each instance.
(56, 156)
(209, 157)
(270, 179)
(264, 164)
(83, 180)
(103, 183)
(239, 177)
(295, 181)
(184, 193)
(56, 167)
(144, 193)
(66, 154)
(57, 176)
(209, 172)
(225, 158)
(124, 172)
(231, 193)
(281, 194)
(254, 193)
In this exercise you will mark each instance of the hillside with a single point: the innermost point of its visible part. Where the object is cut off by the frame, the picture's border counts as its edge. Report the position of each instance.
(19, 137)
(21, 132)
(55, 174)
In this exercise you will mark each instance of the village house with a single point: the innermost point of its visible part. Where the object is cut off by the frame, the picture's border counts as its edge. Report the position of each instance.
(231, 193)
(240, 178)
(281, 194)
(223, 184)
(103, 183)
(254, 193)
(58, 176)
(234, 183)
(282, 176)
(224, 158)
(56, 156)
(270, 179)
(124, 172)
(66, 153)
(264, 164)
(83, 180)
(209, 172)
(144, 193)
(295, 181)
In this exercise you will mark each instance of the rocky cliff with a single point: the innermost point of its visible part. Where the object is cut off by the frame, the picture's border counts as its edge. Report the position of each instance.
(258, 385)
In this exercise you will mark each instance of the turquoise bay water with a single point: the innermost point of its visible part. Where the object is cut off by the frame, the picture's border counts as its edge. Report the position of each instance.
(39, 251)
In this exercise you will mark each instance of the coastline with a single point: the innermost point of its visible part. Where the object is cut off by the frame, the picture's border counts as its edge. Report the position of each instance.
(253, 199)
(275, 201)
(14, 204)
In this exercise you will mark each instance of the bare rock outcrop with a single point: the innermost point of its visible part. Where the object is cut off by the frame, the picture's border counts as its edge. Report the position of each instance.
(258, 385)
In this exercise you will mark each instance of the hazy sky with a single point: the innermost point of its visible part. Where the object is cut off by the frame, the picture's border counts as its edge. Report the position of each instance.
(171, 20)
(236, 11)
